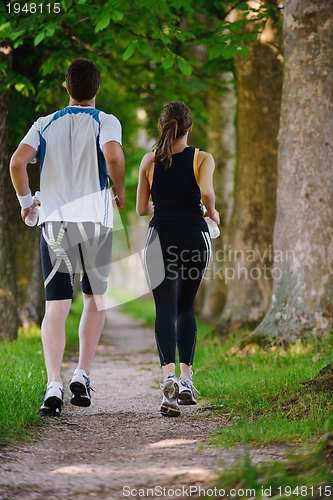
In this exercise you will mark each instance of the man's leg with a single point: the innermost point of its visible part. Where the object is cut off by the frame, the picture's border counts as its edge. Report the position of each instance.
(54, 336)
(90, 329)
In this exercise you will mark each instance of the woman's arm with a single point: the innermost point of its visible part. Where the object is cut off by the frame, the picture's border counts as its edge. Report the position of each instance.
(206, 169)
(143, 205)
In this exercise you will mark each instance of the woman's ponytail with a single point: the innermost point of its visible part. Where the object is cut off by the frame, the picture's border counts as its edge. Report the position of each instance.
(174, 122)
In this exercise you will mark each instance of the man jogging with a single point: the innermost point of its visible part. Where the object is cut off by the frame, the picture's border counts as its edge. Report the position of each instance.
(79, 148)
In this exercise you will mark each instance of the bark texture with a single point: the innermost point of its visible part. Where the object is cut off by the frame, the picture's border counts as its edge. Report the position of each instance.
(222, 145)
(248, 255)
(30, 297)
(302, 299)
(8, 289)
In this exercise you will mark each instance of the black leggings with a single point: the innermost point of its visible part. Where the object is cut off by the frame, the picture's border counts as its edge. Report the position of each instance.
(176, 259)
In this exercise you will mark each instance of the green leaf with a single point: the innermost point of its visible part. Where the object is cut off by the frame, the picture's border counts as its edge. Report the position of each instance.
(128, 52)
(5, 30)
(228, 51)
(19, 87)
(188, 34)
(50, 29)
(215, 52)
(117, 15)
(81, 2)
(242, 6)
(184, 67)
(180, 36)
(142, 46)
(165, 39)
(66, 4)
(168, 62)
(16, 35)
(39, 38)
(47, 67)
(242, 51)
(103, 22)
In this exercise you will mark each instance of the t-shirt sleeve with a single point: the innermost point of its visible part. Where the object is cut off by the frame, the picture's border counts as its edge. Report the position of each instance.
(32, 138)
(110, 130)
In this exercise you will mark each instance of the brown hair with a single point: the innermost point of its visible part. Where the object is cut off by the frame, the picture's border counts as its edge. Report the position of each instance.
(82, 79)
(174, 122)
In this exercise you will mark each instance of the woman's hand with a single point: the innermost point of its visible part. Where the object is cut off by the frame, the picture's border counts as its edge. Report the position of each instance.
(215, 216)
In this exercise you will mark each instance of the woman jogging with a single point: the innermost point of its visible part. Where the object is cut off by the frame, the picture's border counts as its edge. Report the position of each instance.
(179, 178)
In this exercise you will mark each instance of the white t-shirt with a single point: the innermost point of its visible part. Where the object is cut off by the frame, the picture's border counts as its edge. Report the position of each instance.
(73, 173)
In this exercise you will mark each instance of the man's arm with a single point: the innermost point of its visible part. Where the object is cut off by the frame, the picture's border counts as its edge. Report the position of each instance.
(115, 163)
(18, 173)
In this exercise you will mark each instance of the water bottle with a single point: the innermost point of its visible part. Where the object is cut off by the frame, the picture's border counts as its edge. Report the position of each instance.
(32, 217)
(213, 228)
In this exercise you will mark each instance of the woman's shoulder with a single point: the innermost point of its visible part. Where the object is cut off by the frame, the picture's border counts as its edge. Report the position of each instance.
(203, 156)
(147, 160)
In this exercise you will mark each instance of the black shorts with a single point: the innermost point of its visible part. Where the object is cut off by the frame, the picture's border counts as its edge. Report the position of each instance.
(75, 247)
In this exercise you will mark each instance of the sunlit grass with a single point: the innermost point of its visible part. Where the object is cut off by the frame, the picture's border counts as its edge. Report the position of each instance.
(23, 377)
(22, 383)
(262, 394)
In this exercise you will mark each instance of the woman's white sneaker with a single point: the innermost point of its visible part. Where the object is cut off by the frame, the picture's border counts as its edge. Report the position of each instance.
(170, 388)
(186, 392)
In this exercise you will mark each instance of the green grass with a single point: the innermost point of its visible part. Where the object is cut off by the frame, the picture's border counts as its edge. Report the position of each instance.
(142, 308)
(307, 475)
(263, 395)
(22, 383)
(266, 396)
(23, 377)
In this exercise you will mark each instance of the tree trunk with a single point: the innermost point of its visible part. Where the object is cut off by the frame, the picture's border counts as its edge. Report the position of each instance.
(222, 145)
(8, 290)
(247, 258)
(30, 299)
(34, 302)
(302, 300)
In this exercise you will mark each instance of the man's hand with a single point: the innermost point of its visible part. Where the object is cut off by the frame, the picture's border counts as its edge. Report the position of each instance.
(25, 211)
(120, 198)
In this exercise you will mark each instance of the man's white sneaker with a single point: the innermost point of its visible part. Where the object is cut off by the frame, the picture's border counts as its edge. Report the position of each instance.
(170, 387)
(186, 392)
(53, 400)
(80, 388)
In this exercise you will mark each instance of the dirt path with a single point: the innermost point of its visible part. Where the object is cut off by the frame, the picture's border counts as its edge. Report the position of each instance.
(121, 443)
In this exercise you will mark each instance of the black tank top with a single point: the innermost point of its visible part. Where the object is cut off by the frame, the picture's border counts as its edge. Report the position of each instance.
(175, 192)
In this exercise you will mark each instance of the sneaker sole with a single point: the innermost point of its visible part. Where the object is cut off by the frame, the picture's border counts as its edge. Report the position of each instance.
(168, 411)
(80, 401)
(171, 389)
(51, 406)
(79, 397)
(186, 398)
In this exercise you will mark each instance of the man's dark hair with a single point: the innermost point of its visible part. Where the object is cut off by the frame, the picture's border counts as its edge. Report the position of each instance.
(82, 79)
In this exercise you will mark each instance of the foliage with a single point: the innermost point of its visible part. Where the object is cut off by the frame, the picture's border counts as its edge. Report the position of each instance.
(149, 53)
